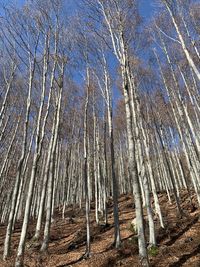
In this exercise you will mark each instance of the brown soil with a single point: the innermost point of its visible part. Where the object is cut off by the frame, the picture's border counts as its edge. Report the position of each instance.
(178, 244)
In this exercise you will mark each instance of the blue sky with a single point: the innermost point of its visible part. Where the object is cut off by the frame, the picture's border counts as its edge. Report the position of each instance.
(146, 6)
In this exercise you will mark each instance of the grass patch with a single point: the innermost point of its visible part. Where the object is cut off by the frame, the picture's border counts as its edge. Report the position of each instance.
(153, 251)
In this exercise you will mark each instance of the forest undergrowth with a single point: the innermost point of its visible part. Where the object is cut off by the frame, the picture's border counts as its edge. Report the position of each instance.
(178, 243)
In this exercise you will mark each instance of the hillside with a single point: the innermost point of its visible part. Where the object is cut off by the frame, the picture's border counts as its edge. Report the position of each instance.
(178, 244)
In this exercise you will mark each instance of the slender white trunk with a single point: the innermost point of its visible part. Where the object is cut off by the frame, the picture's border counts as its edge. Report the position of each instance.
(20, 164)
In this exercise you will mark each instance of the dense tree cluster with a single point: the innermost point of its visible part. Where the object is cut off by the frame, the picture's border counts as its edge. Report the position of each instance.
(94, 105)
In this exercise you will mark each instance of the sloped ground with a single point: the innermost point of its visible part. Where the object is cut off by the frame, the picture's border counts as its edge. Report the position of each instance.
(178, 244)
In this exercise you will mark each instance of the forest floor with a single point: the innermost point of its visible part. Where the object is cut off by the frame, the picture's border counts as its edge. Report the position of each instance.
(178, 244)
